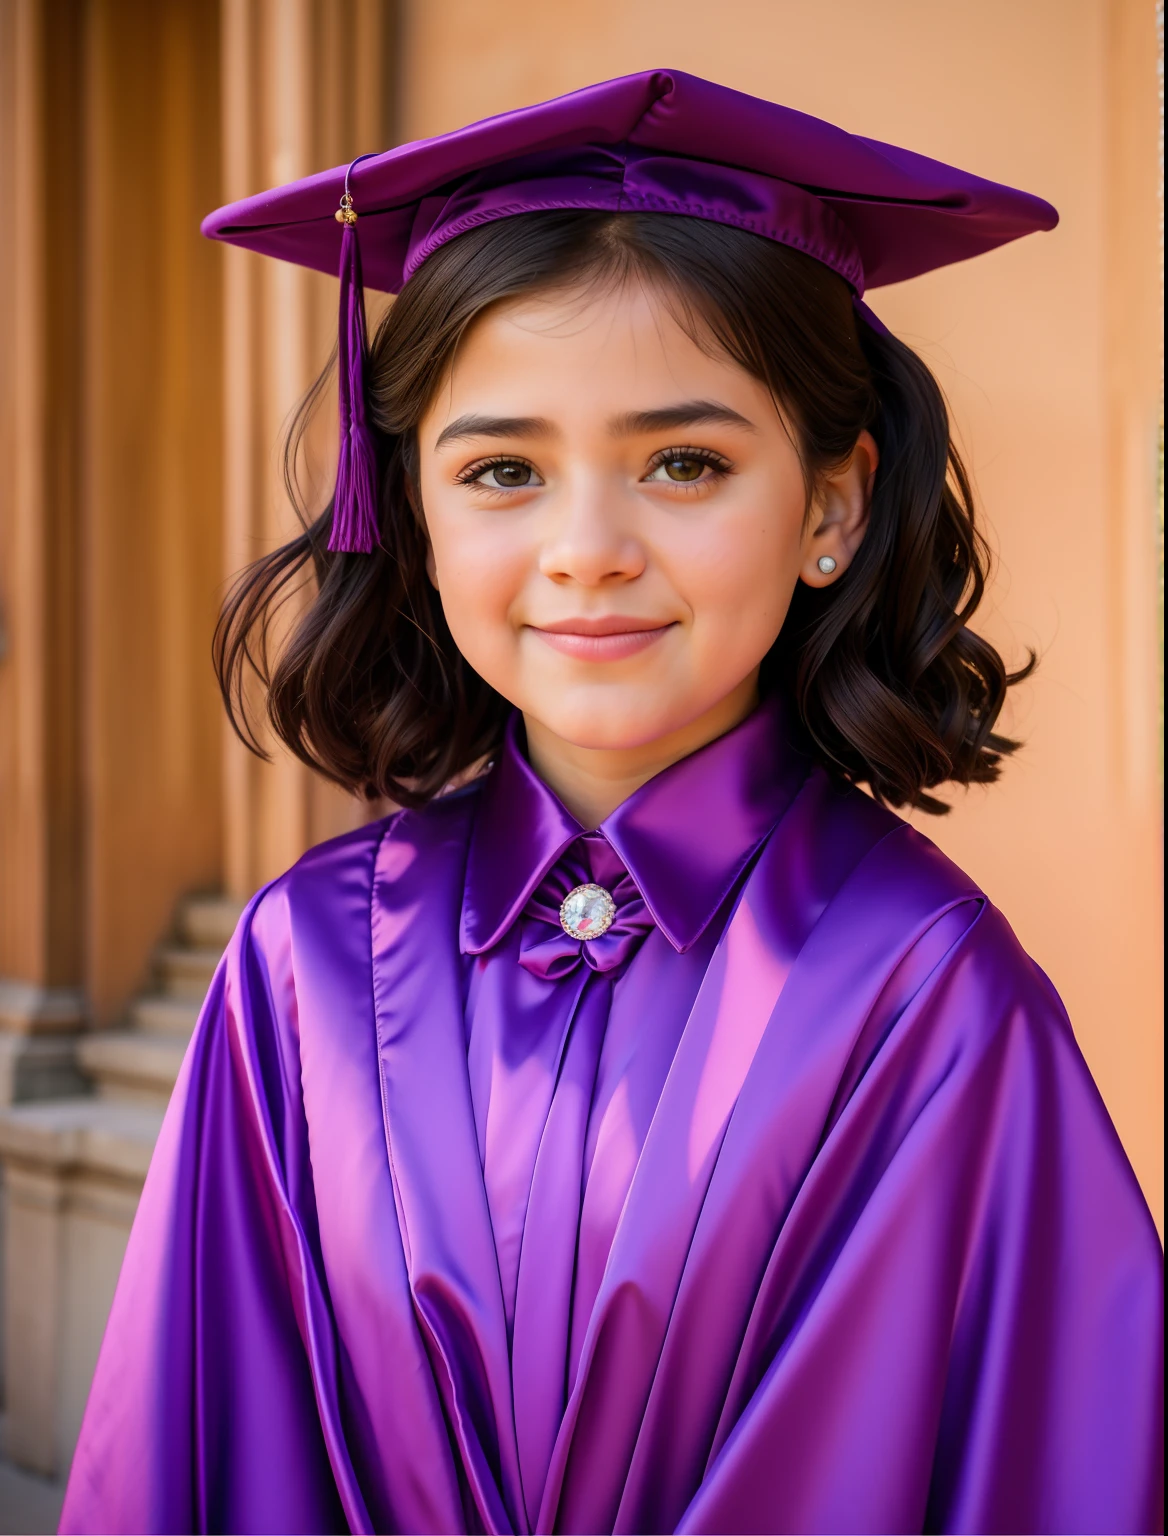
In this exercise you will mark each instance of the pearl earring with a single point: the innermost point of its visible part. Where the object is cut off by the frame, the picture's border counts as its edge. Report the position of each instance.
(826, 564)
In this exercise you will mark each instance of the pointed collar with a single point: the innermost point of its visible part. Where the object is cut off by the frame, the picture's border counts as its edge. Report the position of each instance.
(684, 836)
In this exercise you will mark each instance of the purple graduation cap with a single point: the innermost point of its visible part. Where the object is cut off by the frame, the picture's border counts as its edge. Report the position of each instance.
(662, 142)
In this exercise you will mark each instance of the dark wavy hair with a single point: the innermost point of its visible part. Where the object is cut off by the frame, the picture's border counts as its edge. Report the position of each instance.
(892, 688)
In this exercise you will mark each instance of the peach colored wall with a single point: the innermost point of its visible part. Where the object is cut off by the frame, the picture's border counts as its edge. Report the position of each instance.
(1048, 351)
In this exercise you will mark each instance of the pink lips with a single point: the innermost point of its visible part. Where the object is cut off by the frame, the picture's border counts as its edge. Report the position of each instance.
(602, 639)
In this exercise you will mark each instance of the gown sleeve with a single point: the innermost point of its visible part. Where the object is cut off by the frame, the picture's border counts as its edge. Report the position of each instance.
(203, 1414)
(1053, 1409)
(975, 1342)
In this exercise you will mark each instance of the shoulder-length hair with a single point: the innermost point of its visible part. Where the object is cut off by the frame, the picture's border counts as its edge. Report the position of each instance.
(892, 688)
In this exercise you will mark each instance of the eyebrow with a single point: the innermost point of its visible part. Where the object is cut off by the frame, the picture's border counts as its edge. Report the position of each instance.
(494, 426)
(689, 413)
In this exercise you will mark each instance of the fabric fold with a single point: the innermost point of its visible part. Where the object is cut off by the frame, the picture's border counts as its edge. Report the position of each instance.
(816, 1224)
(547, 1262)
(432, 1150)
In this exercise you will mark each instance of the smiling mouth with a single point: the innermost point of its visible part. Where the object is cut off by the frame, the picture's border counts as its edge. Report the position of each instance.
(603, 639)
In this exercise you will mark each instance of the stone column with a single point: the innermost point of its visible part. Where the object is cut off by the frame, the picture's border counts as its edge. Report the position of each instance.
(306, 84)
(145, 375)
(110, 562)
(41, 813)
(110, 527)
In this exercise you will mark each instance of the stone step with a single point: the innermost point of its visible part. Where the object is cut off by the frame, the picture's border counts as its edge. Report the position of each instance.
(132, 1065)
(38, 1067)
(160, 1015)
(101, 1134)
(207, 922)
(185, 971)
(28, 1502)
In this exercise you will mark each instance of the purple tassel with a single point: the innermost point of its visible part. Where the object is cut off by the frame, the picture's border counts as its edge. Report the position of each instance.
(355, 525)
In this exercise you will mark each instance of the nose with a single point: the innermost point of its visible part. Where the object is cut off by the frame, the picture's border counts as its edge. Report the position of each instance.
(590, 540)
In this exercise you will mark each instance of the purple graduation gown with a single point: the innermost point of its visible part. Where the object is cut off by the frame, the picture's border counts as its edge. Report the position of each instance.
(787, 1204)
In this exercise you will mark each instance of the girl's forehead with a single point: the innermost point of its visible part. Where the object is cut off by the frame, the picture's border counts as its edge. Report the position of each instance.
(600, 315)
(611, 346)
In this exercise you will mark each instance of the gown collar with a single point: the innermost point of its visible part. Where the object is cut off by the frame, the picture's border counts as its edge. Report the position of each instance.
(685, 836)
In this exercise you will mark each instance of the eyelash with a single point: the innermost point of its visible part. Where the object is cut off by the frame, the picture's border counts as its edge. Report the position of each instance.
(472, 472)
(720, 466)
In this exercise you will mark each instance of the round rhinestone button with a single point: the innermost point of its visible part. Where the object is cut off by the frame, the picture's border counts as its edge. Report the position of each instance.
(587, 912)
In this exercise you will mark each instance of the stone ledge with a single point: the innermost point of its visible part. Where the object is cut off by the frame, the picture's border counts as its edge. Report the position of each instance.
(175, 1017)
(98, 1134)
(186, 972)
(208, 921)
(133, 1062)
(29, 1009)
(28, 1503)
(37, 1066)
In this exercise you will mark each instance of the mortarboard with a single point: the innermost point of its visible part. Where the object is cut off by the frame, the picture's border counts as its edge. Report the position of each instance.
(661, 141)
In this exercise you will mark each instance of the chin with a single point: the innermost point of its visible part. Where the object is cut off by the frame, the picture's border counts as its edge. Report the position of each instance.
(608, 724)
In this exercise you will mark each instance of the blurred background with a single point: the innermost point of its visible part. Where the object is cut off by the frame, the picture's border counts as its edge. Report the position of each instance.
(145, 378)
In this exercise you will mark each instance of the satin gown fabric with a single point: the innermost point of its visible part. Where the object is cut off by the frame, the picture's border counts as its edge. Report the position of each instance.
(786, 1205)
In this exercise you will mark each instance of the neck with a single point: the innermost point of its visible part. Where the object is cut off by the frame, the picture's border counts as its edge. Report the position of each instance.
(593, 781)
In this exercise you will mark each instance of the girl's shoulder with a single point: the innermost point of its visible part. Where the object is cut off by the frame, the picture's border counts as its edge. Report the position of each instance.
(340, 873)
(852, 848)
(931, 996)
(873, 895)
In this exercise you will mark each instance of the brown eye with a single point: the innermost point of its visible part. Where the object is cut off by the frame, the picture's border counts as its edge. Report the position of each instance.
(688, 466)
(507, 476)
(683, 469)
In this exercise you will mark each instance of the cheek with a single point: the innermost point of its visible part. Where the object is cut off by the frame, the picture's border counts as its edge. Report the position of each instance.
(481, 570)
(737, 575)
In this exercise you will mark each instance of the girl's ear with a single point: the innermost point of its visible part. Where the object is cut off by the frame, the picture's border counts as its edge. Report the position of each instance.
(840, 517)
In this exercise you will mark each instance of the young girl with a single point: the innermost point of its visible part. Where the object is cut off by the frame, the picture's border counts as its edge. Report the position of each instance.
(645, 1129)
